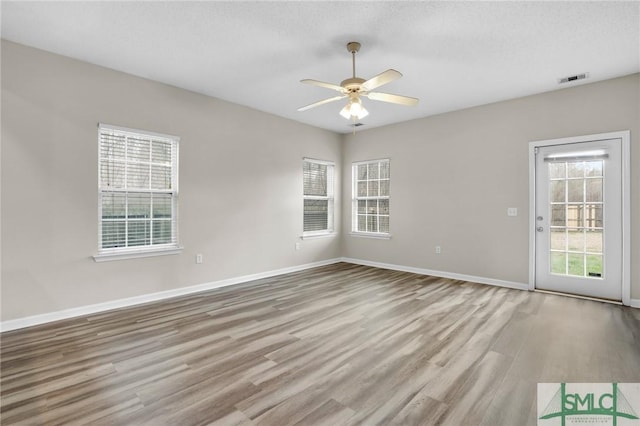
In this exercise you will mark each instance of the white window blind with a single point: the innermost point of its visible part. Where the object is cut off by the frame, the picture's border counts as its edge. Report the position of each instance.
(370, 210)
(318, 183)
(138, 190)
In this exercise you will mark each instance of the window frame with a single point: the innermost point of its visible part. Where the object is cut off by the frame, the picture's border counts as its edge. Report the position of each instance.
(144, 250)
(355, 198)
(330, 198)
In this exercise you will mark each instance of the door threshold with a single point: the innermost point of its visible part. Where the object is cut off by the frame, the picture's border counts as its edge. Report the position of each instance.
(577, 296)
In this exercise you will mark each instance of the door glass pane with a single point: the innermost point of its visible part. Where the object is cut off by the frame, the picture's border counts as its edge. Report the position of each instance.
(593, 215)
(558, 262)
(575, 169)
(558, 217)
(594, 190)
(558, 239)
(574, 216)
(593, 168)
(594, 241)
(576, 191)
(594, 265)
(576, 264)
(576, 240)
(558, 188)
(557, 170)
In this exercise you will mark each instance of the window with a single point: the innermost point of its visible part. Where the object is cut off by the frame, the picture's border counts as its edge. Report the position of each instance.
(371, 197)
(138, 190)
(318, 192)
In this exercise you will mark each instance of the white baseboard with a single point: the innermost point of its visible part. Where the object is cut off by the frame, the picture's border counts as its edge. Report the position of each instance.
(153, 297)
(441, 274)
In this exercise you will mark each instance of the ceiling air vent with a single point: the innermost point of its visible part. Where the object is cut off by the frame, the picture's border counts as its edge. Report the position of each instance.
(573, 78)
(355, 124)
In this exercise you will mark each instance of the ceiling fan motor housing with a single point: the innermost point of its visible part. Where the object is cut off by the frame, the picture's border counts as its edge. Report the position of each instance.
(352, 85)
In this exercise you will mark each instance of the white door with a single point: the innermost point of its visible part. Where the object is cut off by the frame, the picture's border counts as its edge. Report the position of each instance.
(578, 218)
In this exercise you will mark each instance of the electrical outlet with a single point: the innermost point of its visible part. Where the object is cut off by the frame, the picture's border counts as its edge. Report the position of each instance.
(198, 258)
(512, 211)
(438, 249)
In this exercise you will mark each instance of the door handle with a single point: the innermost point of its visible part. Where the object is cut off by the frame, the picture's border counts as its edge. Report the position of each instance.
(539, 229)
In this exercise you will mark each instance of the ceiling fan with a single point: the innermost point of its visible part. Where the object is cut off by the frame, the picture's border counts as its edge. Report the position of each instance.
(355, 87)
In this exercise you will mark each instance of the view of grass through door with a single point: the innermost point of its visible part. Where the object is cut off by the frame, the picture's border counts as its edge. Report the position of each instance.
(576, 240)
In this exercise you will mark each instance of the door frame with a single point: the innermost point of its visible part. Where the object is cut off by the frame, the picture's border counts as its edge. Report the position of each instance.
(625, 137)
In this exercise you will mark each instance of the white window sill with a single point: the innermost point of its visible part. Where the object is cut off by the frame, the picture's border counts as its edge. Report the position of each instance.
(318, 235)
(133, 254)
(370, 235)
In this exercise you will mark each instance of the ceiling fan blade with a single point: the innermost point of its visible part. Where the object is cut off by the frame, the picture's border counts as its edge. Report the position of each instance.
(322, 102)
(394, 99)
(383, 78)
(323, 84)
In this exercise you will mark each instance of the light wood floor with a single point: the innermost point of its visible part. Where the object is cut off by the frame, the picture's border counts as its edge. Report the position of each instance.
(336, 345)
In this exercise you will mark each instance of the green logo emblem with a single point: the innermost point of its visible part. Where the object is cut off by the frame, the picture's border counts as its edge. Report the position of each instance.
(564, 404)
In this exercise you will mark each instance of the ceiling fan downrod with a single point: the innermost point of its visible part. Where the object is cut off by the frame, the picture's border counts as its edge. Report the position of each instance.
(353, 47)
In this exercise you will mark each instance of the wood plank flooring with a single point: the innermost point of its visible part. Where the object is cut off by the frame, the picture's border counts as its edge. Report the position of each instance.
(337, 345)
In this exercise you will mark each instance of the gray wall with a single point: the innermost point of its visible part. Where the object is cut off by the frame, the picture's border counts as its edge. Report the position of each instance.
(454, 175)
(240, 184)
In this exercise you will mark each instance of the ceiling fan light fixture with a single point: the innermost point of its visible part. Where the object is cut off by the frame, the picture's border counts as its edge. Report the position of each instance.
(354, 109)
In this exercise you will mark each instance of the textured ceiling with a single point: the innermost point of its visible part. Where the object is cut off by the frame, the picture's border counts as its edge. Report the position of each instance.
(453, 54)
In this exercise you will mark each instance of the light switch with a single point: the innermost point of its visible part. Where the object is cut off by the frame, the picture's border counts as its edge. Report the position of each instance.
(512, 211)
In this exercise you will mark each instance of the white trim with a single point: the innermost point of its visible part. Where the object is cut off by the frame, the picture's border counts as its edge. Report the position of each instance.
(153, 297)
(441, 274)
(123, 255)
(370, 235)
(136, 132)
(533, 151)
(315, 160)
(634, 303)
(323, 234)
(625, 137)
(577, 296)
(626, 218)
